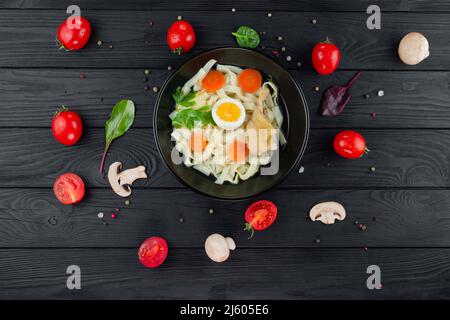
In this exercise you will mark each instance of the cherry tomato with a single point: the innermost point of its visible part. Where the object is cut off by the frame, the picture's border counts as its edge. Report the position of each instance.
(67, 127)
(73, 34)
(181, 37)
(325, 57)
(349, 144)
(260, 215)
(69, 188)
(153, 252)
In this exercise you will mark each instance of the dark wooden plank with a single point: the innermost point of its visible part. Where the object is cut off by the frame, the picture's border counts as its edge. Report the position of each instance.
(395, 218)
(402, 158)
(28, 37)
(248, 274)
(411, 100)
(253, 5)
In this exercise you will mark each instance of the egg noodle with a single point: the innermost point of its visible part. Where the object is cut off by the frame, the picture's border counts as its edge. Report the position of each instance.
(211, 143)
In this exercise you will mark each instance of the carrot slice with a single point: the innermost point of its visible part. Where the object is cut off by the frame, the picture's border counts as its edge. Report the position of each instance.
(250, 80)
(238, 151)
(198, 142)
(213, 81)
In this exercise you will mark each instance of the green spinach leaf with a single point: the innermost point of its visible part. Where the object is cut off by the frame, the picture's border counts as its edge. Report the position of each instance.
(120, 120)
(184, 100)
(246, 37)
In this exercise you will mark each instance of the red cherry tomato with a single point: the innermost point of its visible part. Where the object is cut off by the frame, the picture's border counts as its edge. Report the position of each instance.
(260, 215)
(69, 188)
(325, 57)
(181, 37)
(349, 144)
(67, 127)
(73, 34)
(153, 252)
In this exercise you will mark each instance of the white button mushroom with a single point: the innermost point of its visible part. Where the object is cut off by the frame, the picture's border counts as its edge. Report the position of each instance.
(413, 48)
(218, 247)
(122, 180)
(327, 212)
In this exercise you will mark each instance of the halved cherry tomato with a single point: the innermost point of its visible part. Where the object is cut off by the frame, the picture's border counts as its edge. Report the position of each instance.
(325, 57)
(213, 81)
(260, 215)
(350, 144)
(250, 80)
(238, 151)
(198, 142)
(153, 251)
(73, 34)
(181, 37)
(69, 188)
(67, 126)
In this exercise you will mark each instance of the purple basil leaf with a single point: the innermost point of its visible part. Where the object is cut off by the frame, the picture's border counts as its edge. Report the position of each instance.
(335, 98)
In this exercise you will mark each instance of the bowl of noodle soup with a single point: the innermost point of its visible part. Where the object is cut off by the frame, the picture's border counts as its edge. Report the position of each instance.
(231, 123)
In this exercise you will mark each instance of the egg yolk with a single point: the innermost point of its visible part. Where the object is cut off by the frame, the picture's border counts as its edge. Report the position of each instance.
(228, 112)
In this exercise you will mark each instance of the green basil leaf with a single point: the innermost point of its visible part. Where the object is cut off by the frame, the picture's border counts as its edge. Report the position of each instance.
(184, 100)
(246, 37)
(120, 120)
(190, 118)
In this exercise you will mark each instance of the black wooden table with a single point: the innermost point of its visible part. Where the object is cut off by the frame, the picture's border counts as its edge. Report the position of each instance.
(405, 201)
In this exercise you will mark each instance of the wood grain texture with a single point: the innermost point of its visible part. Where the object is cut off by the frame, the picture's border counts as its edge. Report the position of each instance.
(394, 218)
(136, 44)
(411, 99)
(248, 274)
(253, 5)
(402, 158)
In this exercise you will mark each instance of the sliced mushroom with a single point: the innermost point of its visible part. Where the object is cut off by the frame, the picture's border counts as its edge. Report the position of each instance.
(413, 48)
(327, 212)
(121, 181)
(218, 247)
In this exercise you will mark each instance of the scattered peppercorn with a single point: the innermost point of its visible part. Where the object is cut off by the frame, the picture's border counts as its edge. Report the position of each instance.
(280, 38)
(366, 96)
(275, 53)
(288, 58)
(372, 169)
(127, 202)
(150, 23)
(147, 72)
(117, 209)
(356, 222)
(99, 42)
(82, 76)
(113, 215)
(299, 64)
(365, 248)
(362, 227)
(155, 89)
(110, 46)
(380, 93)
(100, 215)
(373, 114)
(211, 211)
(269, 14)
(144, 79)
(179, 18)
(169, 68)
(181, 220)
(314, 21)
(233, 10)
(316, 88)
(301, 170)
(283, 49)
(317, 240)
(146, 88)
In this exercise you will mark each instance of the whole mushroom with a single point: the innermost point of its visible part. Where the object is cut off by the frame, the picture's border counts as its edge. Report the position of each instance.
(413, 48)
(218, 247)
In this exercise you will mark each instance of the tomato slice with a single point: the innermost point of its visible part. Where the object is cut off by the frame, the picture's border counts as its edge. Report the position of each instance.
(260, 215)
(69, 188)
(153, 252)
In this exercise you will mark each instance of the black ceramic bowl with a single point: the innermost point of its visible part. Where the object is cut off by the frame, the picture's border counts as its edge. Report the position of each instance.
(291, 99)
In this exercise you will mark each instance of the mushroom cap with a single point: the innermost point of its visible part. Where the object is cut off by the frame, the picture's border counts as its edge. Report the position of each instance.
(218, 247)
(114, 180)
(413, 48)
(327, 212)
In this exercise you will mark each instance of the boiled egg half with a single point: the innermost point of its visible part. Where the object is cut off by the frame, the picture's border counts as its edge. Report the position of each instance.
(228, 113)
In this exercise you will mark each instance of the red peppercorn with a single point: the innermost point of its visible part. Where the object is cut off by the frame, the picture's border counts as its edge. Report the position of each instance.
(113, 215)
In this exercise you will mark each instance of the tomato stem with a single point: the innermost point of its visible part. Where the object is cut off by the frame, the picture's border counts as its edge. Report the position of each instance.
(178, 50)
(366, 150)
(248, 227)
